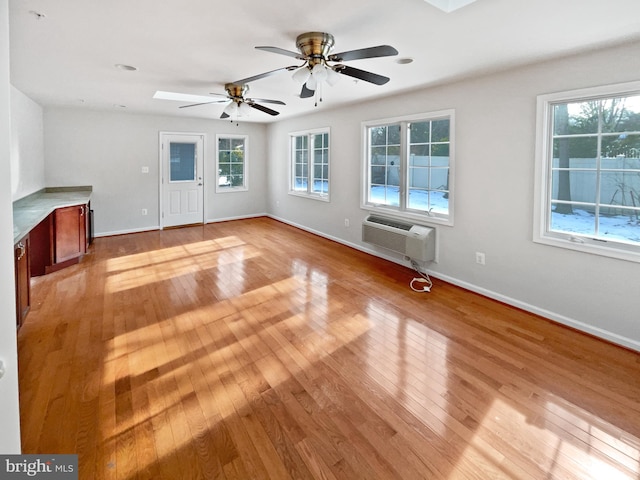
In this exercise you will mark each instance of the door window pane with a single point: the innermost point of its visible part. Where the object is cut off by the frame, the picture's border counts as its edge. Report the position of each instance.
(183, 162)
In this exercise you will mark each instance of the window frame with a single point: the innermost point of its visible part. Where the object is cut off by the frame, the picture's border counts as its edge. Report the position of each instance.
(542, 232)
(245, 164)
(309, 193)
(403, 210)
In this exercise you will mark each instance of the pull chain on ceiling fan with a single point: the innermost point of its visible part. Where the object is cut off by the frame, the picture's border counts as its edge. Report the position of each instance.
(321, 67)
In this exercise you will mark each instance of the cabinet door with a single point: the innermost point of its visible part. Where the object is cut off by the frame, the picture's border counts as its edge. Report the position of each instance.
(70, 233)
(23, 280)
(41, 247)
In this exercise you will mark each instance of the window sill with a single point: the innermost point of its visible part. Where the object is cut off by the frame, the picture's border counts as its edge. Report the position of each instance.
(231, 189)
(586, 245)
(312, 196)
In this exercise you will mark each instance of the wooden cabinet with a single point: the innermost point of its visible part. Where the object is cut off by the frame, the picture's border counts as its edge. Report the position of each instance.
(23, 279)
(59, 240)
(41, 251)
(70, 233)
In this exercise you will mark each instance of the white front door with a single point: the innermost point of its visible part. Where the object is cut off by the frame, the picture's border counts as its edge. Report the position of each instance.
(182, 182)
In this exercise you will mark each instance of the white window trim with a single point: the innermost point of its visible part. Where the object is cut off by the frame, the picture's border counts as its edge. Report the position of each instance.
(397, 212)
(243, 188)
(607, 248)
(297, 193)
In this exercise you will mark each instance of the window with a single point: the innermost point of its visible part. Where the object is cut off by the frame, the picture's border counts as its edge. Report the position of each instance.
(231, 163)
(409, 166)
(310, 164)
(588, 171)
(182, 161)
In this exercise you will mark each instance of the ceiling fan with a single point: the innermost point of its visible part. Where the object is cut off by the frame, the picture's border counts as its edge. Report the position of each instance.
(237, 104)
(321, 66)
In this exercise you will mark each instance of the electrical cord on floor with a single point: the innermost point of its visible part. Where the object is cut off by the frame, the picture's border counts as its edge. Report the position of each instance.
(423, 280)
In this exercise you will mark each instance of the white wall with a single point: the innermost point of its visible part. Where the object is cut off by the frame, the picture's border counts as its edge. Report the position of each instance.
(495, 143)
(9, 408)
(27, 145)
(108, 150)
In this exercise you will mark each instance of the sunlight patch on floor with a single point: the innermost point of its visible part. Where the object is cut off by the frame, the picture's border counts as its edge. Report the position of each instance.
(180, 363)
(166, 254)
(139, 270)
(552, 451)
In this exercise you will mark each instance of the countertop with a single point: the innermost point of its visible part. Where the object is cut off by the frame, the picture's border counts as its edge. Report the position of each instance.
(32, 209)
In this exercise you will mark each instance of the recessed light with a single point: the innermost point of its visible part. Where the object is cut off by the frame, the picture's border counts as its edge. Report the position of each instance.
(405, 60)
(128, 68)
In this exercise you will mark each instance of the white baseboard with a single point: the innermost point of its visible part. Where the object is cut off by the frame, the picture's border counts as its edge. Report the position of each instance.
(239, 217)
(556, 317)
(125, 232)
(157, 227)
(553, 316)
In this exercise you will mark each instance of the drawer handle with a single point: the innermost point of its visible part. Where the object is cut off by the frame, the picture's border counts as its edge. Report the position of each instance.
(22, 250)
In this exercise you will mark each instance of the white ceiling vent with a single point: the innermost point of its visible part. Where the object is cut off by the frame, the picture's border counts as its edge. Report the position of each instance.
(449, 5)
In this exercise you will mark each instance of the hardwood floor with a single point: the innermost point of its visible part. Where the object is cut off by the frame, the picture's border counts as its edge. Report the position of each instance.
(250, 349)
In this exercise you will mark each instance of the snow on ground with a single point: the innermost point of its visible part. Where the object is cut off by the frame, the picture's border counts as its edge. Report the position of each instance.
(617, 227)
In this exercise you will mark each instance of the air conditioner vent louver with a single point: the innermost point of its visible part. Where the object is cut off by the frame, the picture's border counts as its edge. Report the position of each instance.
(414, 241)
(390, 223)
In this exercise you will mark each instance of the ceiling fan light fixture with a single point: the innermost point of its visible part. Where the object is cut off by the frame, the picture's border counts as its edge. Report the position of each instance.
(244, 109)
(319, 72)
(301, 75)
(332, 76)
(231, 109)
(312, 83)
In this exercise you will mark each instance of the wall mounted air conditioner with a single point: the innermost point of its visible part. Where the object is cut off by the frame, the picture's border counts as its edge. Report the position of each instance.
(414, 241)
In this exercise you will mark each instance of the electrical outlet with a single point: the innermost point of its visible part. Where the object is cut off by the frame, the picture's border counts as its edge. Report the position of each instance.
(145, 169)
(145, 211)
(346, 222)
(480, 258)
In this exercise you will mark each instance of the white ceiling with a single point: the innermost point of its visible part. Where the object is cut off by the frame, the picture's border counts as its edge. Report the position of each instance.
(68, 56)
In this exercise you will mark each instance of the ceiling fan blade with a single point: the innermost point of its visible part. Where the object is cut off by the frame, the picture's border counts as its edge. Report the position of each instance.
(264, 109)
(282, 51)
(306, 92)
(265, 100)
(181, 97)
(266, 74)
(203, 103)
(371, 52)
(362, 75)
